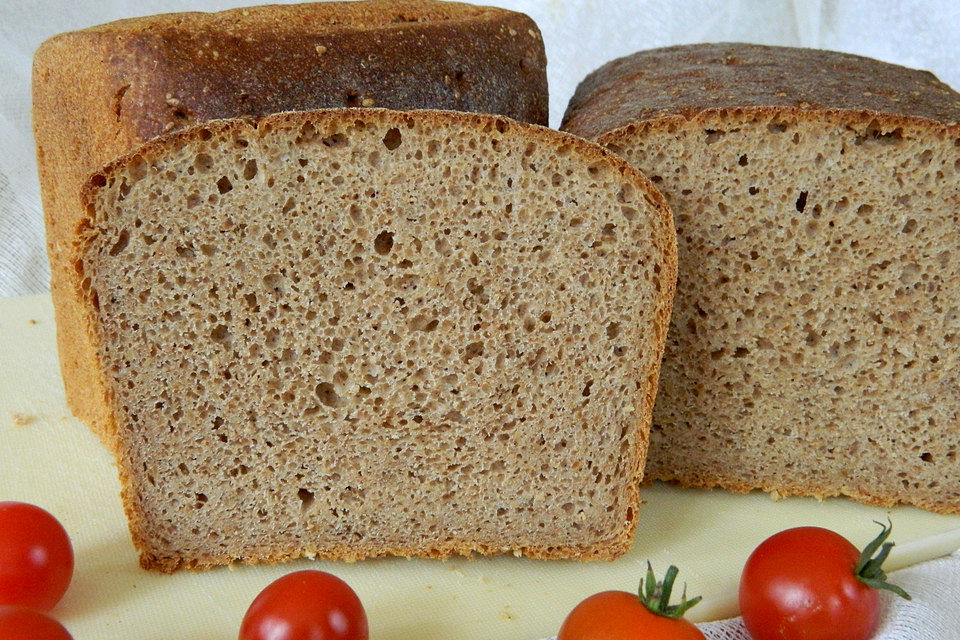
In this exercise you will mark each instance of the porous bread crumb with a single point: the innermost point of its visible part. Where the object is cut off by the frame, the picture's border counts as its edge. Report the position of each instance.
(358, 333)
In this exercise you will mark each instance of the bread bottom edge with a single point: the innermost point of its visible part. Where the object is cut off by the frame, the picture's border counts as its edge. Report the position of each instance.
(606, 550)
(786, 490)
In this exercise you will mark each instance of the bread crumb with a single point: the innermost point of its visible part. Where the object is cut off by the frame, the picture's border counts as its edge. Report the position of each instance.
(21, 419)
(775, 496)
(507, 614)
(32, 321)
(321, 49)
(368, 102)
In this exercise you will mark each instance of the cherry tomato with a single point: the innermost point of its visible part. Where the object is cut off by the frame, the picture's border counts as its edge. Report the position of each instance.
(812, 584)
(619, 615)
(36, 559)
(20, 623)
(305, 605)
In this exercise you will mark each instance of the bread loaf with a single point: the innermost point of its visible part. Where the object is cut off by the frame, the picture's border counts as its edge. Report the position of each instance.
(101, 92)
(352, 333)
(814, 345)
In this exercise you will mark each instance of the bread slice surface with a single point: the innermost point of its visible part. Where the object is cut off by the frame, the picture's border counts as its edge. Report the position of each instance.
(816, 198)
(351, 333)
(101, 92)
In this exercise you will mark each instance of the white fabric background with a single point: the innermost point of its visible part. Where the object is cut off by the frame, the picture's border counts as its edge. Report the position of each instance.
(580, 35)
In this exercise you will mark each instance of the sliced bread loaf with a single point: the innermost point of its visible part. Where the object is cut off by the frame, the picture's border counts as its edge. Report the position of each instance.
(814, 344)
(353, 333)
(101, 92)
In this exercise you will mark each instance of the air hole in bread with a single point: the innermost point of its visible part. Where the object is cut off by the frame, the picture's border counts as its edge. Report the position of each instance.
(306, 499)
(327, 394)
(392, 139)
(383, 243)
(220, 333)
(336, 141)
(122, 241)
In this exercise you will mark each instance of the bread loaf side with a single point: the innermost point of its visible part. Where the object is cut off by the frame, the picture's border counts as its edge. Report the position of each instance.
(352, 333)
(813, 347)
(101, 92)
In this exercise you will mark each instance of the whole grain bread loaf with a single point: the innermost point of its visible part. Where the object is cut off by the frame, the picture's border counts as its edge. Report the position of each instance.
(351, 333)
(814, 344)
(101, 92)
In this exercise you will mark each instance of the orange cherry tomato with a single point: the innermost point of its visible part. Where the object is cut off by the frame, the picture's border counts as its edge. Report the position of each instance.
(619, 615)
(645, 615)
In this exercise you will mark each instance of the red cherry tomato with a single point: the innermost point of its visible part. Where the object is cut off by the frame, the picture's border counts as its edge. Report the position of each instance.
(619, 615)
(803, 584)
(36, 559)
(20, 623)
(305, 605)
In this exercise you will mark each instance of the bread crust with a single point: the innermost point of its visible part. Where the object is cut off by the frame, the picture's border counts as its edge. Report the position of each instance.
(688, 80)
(617, 544)
(721, 86)
(101, 92)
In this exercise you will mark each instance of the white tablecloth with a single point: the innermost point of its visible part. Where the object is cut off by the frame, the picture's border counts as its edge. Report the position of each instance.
(580, 35)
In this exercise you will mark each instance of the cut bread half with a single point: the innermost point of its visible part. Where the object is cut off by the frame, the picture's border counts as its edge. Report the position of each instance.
(813, 346)
(353, 333)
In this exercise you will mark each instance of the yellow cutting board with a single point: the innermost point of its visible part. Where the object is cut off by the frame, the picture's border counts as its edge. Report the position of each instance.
(50, 459)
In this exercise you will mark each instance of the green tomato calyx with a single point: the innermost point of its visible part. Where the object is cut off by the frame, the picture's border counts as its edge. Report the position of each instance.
(869, 569)
(655, 596)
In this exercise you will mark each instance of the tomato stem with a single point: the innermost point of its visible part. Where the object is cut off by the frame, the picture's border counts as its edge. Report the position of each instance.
(869, 569)
(655, 596)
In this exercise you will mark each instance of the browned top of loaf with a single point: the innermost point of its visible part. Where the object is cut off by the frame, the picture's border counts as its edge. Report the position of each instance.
(686, 80)
(258, 60)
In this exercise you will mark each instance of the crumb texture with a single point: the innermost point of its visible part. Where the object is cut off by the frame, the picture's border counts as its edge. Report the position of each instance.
(814, 340)
(813, 345)
(362, 333)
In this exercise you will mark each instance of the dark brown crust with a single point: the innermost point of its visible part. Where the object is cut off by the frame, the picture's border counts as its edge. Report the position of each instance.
(251, 62)
(101, 92)
(619, 541)
(690, 79)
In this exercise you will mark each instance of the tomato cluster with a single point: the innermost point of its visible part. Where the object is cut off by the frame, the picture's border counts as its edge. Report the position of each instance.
(806, 583)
